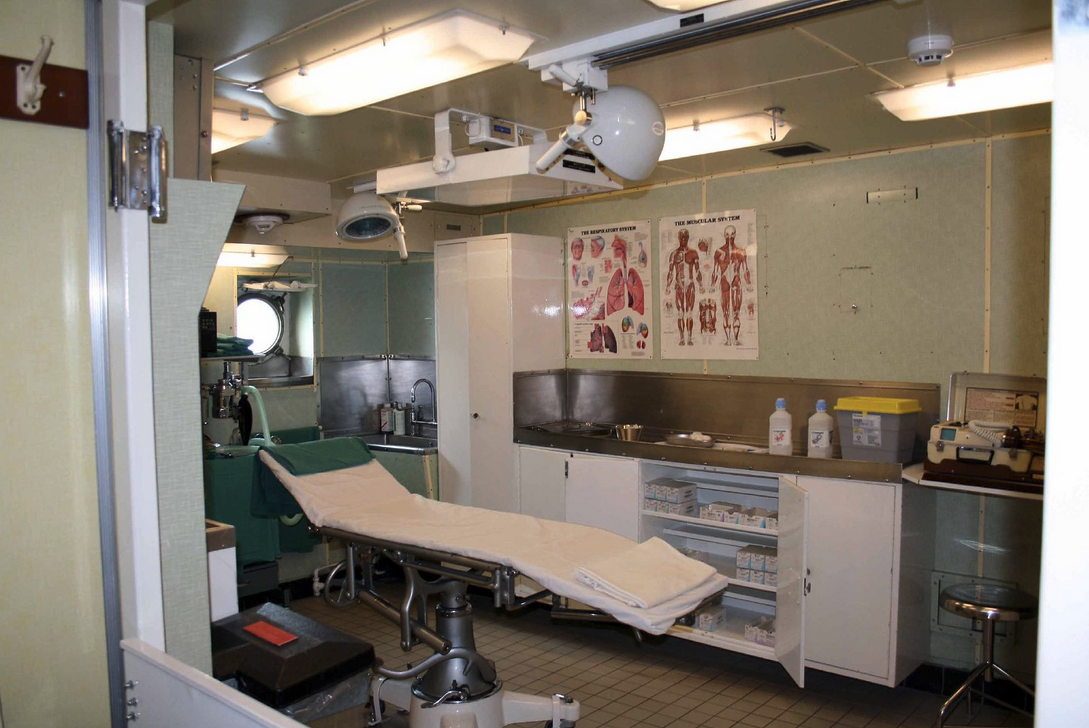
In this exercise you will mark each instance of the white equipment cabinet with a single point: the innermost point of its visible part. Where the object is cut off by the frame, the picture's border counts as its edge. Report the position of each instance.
(744, 602)
(498, 310)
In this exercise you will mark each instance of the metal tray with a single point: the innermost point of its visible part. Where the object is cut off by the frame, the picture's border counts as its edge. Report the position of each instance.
(689, 441)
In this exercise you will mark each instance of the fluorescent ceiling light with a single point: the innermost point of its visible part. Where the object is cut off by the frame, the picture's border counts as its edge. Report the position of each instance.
(683, 5)
(428, 53)
(231, 128)
(720, 136)
(242, 255)
(971, 94)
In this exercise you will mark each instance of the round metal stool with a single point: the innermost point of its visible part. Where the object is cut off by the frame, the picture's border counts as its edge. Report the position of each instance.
(989, 604)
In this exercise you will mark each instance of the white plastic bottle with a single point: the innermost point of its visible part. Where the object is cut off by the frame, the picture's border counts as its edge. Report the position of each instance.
(820, 432)
(398, 420)
(780, 425)
(386, 418)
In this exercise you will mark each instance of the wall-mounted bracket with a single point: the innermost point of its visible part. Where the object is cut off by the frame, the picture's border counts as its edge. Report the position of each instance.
(138, 170)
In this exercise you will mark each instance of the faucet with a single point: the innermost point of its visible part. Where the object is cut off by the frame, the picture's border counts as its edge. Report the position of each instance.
(418, 420)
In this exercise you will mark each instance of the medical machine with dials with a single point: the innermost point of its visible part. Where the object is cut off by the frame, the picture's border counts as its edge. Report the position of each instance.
(994, 432)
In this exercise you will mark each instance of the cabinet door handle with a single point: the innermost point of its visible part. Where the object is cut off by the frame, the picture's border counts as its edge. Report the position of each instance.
(476, 415)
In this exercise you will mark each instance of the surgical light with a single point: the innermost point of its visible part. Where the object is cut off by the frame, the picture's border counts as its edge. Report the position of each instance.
(622, 127)
(1002, 89)
(720, 136)
(243, 255)
(231, 128)
(428, 53)
(365, 218)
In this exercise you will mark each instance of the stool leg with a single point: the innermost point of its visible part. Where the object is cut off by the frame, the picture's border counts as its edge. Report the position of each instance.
(988, 649)
(964, 690)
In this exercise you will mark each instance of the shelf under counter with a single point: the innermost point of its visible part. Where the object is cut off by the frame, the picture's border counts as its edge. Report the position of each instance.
(769, 533)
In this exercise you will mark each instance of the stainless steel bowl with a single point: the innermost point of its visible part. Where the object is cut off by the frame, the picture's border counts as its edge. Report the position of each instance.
(631, 433)
(689, 441)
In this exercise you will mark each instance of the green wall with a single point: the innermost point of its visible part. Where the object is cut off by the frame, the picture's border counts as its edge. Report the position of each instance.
(936, 295)
(916, 269)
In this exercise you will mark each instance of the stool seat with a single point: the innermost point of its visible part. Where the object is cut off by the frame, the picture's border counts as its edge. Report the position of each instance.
(988, 602)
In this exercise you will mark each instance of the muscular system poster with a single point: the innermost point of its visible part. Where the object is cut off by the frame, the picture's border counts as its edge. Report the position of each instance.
(708, 296)
(609, 285)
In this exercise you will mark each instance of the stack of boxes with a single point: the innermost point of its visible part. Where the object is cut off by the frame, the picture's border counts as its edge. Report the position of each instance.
(738, 515)
(761, 631)
(758, 565)
(666, 495)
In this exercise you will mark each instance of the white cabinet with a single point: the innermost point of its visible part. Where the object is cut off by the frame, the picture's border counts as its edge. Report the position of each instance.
(867, 612)
(745, 602)
(542, 474)
(498, 310)
(603, 492)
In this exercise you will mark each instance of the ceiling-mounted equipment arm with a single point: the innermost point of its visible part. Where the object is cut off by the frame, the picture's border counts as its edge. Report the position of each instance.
(444, 159)
(572, 135)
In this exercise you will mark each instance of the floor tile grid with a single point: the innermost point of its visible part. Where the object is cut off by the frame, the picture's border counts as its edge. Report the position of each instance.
(622, 684)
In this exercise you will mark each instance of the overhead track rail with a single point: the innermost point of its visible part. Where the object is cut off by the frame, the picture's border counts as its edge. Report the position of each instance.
(714, 31)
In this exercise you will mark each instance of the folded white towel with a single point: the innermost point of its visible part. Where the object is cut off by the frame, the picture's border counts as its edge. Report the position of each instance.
(645, 575)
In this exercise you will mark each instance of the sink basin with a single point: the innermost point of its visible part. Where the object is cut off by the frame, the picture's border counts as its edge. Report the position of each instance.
(387, 440)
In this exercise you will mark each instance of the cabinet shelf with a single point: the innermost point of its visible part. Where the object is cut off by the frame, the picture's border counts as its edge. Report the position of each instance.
(731, 636)
(729, 569)
(770, 533)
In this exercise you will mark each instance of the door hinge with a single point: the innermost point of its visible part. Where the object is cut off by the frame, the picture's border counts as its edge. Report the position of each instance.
(566, 468)
(138, 170)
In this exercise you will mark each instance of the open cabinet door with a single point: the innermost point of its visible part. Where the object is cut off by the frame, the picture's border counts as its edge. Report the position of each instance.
(793, 578)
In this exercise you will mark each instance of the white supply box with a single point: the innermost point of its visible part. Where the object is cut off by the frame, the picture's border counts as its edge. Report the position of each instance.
(669, 490)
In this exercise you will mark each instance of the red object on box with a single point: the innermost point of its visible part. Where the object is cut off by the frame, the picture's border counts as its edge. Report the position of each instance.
(270, 633)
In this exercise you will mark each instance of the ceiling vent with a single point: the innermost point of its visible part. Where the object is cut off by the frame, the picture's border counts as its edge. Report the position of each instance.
(795, 150)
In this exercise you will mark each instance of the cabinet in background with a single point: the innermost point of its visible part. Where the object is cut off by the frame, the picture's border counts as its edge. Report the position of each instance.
(870, 546)
(744, 602)
(542, 476)
(498, 310)
(590, 490)
(603, 492)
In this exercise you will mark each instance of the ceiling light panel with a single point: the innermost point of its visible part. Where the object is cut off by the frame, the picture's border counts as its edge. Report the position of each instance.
(232, 128)
(428, 53)
(241, 255)
(1003, 89)
(720, 136)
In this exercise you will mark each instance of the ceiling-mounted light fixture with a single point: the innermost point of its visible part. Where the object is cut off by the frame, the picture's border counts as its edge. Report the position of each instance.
(231, 128)
(683, 5)
(243, 255)
(622, 127)
(719, 136)
(1002, 89)
(429, 53)
(366, 218)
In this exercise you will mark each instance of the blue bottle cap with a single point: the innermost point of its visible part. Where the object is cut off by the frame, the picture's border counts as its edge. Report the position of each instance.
(822, 406)
(780, 403)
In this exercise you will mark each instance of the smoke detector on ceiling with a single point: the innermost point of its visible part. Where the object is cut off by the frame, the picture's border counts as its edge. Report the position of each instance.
(263, 223)
(930, 49)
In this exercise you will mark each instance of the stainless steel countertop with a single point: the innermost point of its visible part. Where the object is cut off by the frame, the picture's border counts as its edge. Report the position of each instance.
(649, 449)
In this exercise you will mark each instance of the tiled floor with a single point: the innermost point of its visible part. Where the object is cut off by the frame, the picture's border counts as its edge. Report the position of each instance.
(661, 682)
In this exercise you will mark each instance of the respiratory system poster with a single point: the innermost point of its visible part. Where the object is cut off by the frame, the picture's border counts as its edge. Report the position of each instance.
(708, 294)
(609, 287)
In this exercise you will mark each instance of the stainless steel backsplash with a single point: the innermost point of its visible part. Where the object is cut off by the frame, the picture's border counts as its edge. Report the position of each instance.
(727, 406)
(352, 389)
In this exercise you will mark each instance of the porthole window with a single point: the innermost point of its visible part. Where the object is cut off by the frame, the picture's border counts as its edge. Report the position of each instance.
(260, 318)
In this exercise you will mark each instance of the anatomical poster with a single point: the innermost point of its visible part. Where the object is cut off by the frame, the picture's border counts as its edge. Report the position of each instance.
(708, 295)
(609, 285)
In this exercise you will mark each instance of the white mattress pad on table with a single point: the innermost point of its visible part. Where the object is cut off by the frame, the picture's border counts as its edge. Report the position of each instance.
(367, 500)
